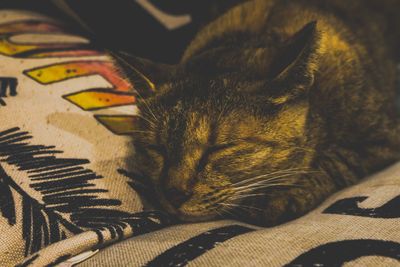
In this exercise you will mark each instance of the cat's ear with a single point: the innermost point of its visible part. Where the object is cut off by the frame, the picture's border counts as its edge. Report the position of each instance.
(293, 68)
(144, 74)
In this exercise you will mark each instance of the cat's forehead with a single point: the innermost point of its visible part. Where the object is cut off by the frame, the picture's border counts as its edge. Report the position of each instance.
(207, 126)
(187, 125)
(200, 127)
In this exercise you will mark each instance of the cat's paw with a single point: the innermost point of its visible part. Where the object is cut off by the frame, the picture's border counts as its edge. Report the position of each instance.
(276, 209)
(280, 210)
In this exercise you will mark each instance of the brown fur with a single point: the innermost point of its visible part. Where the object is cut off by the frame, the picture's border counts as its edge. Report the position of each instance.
(275, 105)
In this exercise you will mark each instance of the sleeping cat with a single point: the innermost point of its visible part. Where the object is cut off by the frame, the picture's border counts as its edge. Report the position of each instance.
(274, 106)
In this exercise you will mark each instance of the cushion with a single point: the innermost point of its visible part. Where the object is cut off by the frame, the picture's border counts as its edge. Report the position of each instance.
(66, 186)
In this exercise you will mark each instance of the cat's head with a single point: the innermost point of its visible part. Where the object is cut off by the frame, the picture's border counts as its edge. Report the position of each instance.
(208, 140)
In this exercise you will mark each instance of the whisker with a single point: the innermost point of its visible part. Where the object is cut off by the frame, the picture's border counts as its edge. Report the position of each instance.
(240, 206)
(152, 123)
(140, 132)
(225, 209)
(291, 171)
(240, 196)
(135, 70)
(279, 177)
(267, 186)
(218, 213)
(266, 178)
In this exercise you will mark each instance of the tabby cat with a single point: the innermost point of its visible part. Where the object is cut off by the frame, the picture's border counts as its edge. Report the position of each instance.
(274, 106)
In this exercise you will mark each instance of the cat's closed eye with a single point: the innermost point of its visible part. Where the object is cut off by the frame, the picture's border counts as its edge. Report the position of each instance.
(159, 149)
(219, 147)
(212, 150)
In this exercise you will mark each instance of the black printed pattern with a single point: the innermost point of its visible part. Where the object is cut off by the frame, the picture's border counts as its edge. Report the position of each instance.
(341, 252)
(8, 87)
(181, 254)
(70, 202)
(349, 206)
(28, 261)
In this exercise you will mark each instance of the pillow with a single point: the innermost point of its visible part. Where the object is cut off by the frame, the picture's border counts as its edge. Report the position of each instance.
(66, 187)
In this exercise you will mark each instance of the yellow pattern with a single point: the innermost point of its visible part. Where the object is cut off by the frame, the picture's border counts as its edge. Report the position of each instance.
(91, 100)
(121, 125)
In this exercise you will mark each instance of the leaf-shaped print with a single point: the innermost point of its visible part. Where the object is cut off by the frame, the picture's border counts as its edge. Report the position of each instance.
(70, 202)
(7, 205)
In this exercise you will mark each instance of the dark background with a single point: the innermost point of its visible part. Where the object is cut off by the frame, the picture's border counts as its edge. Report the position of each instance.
(125, 25)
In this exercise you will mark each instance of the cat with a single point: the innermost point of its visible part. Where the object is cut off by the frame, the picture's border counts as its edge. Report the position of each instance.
(274, 106)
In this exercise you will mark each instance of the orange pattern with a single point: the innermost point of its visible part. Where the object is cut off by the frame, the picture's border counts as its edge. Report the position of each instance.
(89, 100)
(63, 71)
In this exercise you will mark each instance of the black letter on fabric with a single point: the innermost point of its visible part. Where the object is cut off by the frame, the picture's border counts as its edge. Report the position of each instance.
(349, 206)
(341, 252)
(181, 254)
(7, 84)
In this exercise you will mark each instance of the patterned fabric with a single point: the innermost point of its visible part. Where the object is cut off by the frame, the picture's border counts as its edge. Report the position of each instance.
(65, 185)
(359, 226)
(63, 170)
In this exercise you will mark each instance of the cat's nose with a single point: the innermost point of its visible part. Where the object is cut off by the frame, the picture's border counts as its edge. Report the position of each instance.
(177, 197)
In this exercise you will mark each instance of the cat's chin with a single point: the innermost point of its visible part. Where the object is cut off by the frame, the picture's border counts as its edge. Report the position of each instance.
(196, 217)
(187, 213)
(190, 212)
